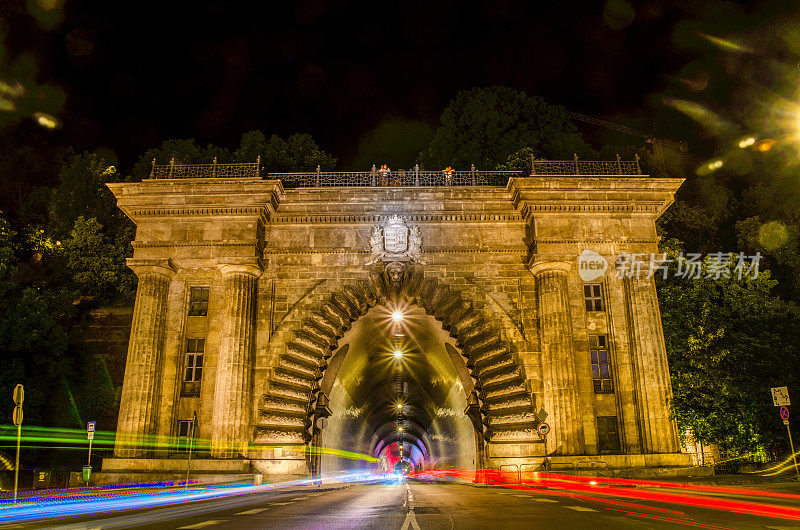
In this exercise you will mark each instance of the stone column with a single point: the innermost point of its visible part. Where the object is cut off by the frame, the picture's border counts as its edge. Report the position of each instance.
(232, 387)
(558, 361)
(653, 387)
(138, 411)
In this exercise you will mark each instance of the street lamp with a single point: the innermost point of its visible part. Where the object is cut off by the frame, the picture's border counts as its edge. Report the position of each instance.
(399, 406)
(397, 316)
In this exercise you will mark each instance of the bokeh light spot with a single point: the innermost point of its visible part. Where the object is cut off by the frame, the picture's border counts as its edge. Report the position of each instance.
(47, 121)
(618, 14)
(772, 235)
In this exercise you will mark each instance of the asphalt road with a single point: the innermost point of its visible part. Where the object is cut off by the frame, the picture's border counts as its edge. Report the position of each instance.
(421, 505)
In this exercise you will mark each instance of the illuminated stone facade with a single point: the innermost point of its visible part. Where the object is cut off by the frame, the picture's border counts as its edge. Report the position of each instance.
(290, 271)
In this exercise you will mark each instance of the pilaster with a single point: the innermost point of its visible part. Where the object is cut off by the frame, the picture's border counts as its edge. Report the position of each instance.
(233, 386)
(138, 412)
(654, 391)
(558, 362)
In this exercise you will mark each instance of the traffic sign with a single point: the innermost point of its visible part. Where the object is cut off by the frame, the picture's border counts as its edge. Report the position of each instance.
(780, 396)
(90, 436)
(543, 429)
(90, 427)
(17, 415)
(19, 394)
(784, 413)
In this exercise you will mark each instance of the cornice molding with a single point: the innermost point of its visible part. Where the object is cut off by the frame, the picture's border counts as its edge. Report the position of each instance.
(377, 218)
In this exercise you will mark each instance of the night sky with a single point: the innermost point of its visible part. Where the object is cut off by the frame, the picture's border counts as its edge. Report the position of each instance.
(136, 73)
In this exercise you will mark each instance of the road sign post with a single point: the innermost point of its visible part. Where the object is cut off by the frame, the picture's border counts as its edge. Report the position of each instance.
(90, 437)
(191, 443)
(19, 397)
(543, 429)
(780, 398)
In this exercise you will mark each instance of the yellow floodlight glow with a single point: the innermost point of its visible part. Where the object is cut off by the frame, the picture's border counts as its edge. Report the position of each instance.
(398, 354)
(397, 316)
(747, 142)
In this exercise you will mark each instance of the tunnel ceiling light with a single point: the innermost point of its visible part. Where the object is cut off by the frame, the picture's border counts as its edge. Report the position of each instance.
(397, 316)
(398, 354)
(399, 405)
(399, 429)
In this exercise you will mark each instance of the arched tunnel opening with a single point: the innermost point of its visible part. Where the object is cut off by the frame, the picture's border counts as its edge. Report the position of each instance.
(398, 391)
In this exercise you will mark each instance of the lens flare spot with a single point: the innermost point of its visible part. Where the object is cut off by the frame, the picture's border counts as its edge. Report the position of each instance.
(746, 142)
(765, 145)
(772, 235)
(47, 121)
(726, 44)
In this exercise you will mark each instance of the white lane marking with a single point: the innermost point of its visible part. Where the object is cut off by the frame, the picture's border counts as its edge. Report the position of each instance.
(581, 508)
(411, 521)
(251, 512)
(202, 525)
(544, 500)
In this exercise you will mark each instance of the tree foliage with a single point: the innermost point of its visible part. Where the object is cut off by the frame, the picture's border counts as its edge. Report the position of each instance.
(485, 126)
(728, 341)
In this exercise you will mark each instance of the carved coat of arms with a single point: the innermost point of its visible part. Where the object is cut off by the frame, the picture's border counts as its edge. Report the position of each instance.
(394, 240)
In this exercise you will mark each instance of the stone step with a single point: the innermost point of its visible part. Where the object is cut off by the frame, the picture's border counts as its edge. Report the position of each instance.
(458, 314)
(471, 322)
(476, 351)
(480, 337)
(288, 364)
(326, 321)
(275, 420)
(304, 356)
(351, 311)
(312, 340)
(277, 391)
(500, 380)
(502, 364)
(313, 327)
(489, 356)
(509, 405)
(502, 393)
(513, 436)
(278, 436)
(287, 406)
(289, 380)
(520, 420)
(337, 314)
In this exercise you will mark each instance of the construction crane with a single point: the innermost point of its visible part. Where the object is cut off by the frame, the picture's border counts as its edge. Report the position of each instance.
(659, 146)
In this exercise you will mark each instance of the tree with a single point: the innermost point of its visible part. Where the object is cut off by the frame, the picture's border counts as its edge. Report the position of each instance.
(82, 191)
(728, 340)
(297, 153)
(183, 151)
(485, 126)
(97, 263)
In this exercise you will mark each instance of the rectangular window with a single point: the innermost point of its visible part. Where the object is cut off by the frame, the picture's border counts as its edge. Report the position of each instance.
(193, 371)
(593, 295)
(601, 364)
(198, 302)
(184, 431)
(607, 435)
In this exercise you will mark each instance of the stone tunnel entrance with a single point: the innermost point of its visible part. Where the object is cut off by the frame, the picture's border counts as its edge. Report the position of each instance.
(398, 391)
(284, 287)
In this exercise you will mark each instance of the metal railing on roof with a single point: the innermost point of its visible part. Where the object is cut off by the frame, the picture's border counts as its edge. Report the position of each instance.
(385, 177)
(586, 167)
(394, 178)
(213, 170)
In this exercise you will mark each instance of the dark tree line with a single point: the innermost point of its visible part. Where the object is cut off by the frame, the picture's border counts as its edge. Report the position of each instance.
(63, 244)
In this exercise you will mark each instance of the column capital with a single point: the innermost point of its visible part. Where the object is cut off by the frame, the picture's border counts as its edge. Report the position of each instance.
(540, 267)
(249, 266)
(163, 267)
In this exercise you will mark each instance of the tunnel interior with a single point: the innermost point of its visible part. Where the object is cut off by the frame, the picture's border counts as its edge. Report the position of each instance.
(398, 390)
